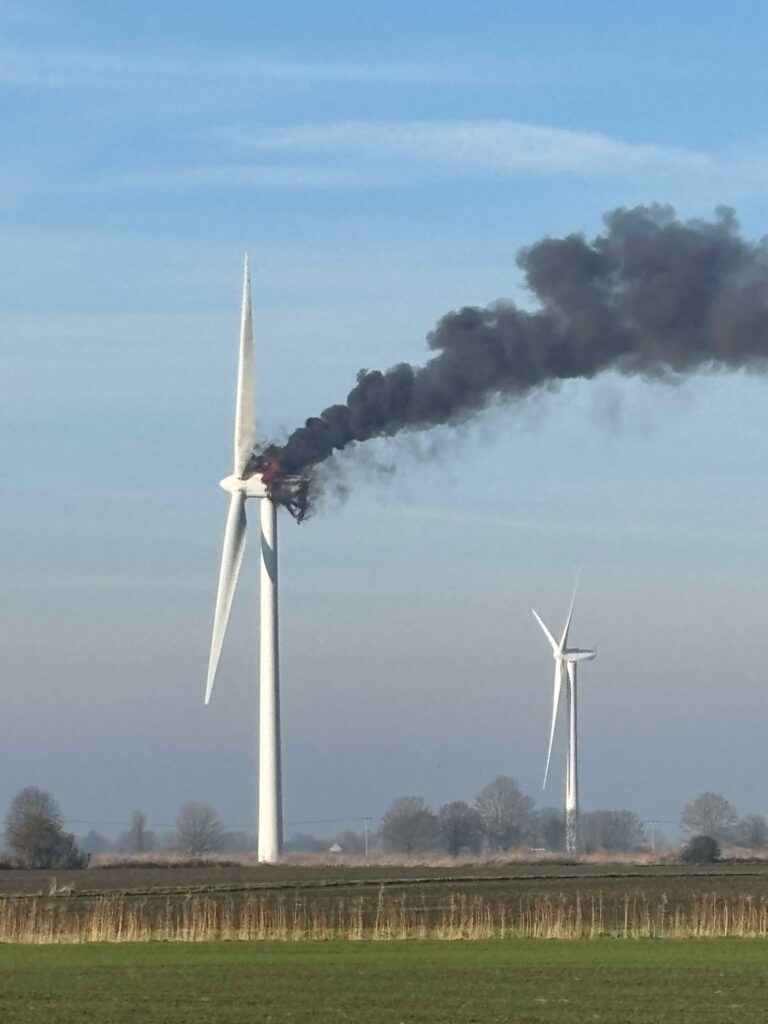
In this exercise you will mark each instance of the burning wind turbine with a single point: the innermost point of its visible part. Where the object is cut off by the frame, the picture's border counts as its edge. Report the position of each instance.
(650, 296)
(566, 660)
(271, 487)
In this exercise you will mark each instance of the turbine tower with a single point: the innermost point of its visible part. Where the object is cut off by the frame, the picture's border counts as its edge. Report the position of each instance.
(241, 486)
(566, 660)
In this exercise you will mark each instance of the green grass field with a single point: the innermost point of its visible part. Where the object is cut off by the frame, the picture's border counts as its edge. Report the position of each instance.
(701, 981)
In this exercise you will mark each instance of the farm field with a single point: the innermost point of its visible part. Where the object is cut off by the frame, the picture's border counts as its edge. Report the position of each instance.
(322, 875)
(209, 903)
(701, 981)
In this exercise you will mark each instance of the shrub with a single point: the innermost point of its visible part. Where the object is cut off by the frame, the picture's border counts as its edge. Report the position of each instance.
(700, 850)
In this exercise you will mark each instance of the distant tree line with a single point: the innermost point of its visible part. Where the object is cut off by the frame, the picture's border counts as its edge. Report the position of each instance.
(198, 830)
(501, 817)
(35, 836)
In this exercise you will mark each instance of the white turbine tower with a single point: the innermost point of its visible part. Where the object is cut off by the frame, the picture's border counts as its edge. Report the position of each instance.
(241, 487)
(566, 660)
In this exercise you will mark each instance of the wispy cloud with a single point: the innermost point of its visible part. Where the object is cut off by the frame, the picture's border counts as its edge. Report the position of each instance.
(373, 154)
(61, 67)
(492, 145)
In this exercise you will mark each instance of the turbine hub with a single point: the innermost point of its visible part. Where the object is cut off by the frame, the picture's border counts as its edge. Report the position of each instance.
(250, 487)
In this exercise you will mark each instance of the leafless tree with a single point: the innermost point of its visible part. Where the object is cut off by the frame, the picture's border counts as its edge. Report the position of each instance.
(94, 842)
(752, 832)
(550, 825)
(461, 828)
(34, 832)
(506, 813)
(139, 838)
(712, 815)
(612, 831)
(409, 826)
(199, 829)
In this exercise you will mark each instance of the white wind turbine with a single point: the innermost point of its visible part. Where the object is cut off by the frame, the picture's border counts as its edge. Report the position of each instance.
(566, 660)
(242, 487)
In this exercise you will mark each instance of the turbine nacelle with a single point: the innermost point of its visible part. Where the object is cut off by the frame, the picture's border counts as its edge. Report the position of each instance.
(576, 654)
(249, 487)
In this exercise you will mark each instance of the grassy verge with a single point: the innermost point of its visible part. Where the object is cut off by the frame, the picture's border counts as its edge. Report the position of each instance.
(714, 982)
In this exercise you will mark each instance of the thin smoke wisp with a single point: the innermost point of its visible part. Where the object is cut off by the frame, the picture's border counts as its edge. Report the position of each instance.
(650, 295)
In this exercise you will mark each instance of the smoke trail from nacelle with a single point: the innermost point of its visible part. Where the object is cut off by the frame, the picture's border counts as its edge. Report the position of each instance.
(651, 295)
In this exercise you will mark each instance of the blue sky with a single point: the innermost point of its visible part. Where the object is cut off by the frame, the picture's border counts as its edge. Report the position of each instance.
(383, 164)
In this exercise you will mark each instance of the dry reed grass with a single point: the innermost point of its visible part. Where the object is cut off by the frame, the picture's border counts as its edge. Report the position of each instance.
(196, 918)
(509, 858)
(170, 859)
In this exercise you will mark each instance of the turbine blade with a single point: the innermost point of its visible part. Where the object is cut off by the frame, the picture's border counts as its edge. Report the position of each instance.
(231, 559)
(547, 634)
(245, 402)
(555, 706)
(564, 640)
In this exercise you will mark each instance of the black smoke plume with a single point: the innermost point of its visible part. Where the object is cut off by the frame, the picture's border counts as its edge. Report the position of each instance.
(652, 295)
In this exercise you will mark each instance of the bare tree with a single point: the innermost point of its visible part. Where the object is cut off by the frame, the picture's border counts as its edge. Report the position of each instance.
(752, 832)
(461, 828)
(612, 831)
(712, 815)
(550, 823)
(138, 838)
(409, 826)
(199, 829)
(506, 813)
(34, 831)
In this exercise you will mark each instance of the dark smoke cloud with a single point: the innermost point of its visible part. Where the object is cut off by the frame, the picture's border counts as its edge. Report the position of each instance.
(651, 295)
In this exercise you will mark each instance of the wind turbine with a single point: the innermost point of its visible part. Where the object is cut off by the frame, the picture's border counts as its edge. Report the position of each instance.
(241, 485)
(566, 660)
